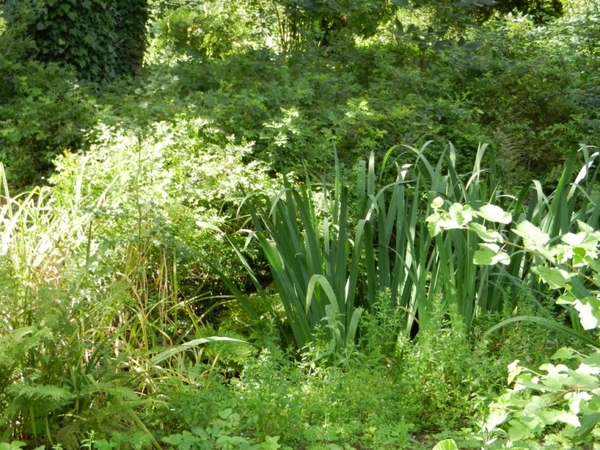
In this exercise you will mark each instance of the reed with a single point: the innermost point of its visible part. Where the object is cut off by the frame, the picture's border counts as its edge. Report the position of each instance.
(331, 254)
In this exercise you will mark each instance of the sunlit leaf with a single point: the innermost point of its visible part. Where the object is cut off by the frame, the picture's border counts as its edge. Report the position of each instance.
(486, 234)
(489, 254)
(568, 418)
(460, 214)
(495, 418)
(514, 370)
(555, 278)
(494, 213)
(589, 312)
(437, 203)
(531, 233)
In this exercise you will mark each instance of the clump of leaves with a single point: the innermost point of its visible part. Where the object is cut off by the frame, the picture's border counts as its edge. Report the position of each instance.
(559, 403)
(44, 111)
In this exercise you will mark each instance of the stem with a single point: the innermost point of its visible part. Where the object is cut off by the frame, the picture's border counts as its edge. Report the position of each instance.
(537, 253)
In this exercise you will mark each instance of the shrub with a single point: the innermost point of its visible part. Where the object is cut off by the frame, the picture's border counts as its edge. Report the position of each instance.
(44, 111)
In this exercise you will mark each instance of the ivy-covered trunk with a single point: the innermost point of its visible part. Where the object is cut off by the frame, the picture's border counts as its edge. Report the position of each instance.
(132, 16)
(99, 38)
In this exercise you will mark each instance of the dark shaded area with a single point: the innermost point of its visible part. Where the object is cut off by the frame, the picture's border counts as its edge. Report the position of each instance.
(540, 10)
(99, 38)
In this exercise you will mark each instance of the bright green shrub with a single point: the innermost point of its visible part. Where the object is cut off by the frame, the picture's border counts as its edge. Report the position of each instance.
(218, 29)
(173, 183)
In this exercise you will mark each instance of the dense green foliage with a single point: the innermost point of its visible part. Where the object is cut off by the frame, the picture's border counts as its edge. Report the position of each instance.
(100, 39)
(565, 395)
(299, 224)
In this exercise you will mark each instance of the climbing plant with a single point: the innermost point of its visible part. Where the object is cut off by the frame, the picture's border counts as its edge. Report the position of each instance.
(99, 38)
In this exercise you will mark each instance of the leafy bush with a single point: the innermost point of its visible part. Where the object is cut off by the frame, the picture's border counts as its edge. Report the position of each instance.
(174, 183)
(44, 111)
(560, 404)
(218, 30)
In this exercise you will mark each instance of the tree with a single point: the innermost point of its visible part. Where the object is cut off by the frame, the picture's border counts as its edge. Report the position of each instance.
(539, 10)
(132, 16)
(303, 21)
(100, 38)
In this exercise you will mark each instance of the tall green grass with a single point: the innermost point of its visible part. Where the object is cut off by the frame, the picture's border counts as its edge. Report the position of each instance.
(90, 333)
(401, 256)
(314, 259)
(331, 253)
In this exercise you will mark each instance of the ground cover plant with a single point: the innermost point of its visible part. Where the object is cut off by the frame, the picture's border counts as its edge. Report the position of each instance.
(299, 225)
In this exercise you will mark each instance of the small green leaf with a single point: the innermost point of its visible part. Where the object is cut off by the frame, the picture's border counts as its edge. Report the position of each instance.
(553, 277)
(519, 430)
(514, 370)
(490, 254)
(270, 443)
(224, 414)
(594, 359)
(485, 234)
(184, 440)
(563, 353)
(584, 243)
(494, 213)
(174, 439)
(437, 203)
